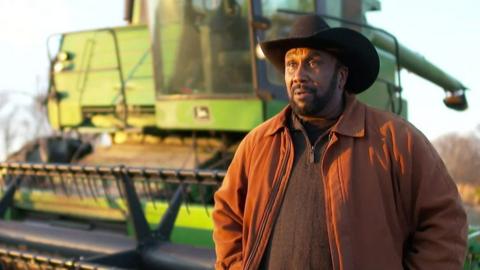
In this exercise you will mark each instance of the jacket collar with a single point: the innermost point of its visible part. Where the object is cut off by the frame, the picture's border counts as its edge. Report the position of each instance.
(279, 121)
(350, 123)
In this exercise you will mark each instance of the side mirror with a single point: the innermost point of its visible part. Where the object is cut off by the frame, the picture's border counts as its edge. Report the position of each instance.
(456, 100)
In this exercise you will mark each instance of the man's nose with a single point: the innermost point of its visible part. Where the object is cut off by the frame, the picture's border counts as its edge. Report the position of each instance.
(300, 74)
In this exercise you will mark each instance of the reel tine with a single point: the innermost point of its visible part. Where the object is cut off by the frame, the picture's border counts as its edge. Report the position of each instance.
(84, 185)
(84, 181)
(94, 183)
(151, 194)
(202, 189)
(184, 189)
(149, 190)
(105, 187)
(160, 188)
(140, 183)
(63, 185)
(74, 181)
(35, 182)
(101, 187)
(5, 180)
(165, 187)
(52, 183)
(90, 183)
(119, 185)
(28, 181)
(2, 184)
(166, 190)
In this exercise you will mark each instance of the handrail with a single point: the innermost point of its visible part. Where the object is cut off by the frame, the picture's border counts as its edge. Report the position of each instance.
(122, 81)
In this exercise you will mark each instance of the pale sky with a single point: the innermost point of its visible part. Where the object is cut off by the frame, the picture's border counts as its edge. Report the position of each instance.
(446, 32)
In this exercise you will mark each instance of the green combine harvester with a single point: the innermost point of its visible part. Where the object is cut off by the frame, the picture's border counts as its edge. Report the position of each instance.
(174, 91)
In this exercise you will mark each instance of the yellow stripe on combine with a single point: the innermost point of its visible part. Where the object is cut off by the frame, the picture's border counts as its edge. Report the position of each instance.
(101, 208)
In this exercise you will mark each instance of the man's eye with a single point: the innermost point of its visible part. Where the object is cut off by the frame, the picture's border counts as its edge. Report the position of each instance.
(290, 65)
(314, 63)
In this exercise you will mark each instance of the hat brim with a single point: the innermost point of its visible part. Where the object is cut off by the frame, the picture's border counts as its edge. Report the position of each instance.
(355, 51)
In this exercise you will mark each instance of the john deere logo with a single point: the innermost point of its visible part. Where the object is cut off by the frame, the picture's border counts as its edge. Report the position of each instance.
(201, 113)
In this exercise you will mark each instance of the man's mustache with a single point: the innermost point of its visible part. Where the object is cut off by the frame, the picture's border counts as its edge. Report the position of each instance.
(303, 88)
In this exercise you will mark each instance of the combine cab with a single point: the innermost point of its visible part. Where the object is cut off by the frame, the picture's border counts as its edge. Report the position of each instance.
(173, 92)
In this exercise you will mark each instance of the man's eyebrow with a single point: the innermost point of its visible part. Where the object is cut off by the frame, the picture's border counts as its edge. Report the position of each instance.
(315, 54)
(294, 52)
(309, 55)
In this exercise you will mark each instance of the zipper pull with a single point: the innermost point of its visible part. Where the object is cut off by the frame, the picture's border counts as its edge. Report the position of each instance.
(312, 154)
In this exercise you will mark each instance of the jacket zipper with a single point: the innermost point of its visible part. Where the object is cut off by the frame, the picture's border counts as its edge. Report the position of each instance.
(327, 203)
(312, 147)
(273, 195)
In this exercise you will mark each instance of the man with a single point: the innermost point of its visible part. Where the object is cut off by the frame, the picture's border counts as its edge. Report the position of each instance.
(330, 183)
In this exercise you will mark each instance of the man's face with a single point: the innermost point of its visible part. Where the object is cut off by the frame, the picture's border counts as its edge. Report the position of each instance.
(313, 78)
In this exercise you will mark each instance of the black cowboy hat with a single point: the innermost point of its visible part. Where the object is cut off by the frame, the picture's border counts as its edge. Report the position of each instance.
(350, 47)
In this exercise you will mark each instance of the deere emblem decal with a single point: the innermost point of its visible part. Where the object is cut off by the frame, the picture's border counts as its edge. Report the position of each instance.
(201, 113)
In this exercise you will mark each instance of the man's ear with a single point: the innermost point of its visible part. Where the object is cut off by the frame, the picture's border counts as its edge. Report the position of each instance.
(342, 76)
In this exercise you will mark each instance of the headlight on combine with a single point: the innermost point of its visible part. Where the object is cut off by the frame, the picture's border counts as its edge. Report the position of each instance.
(63, 61)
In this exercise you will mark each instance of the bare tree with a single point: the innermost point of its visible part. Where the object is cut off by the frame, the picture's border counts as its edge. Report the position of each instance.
(23, 118)
(461, 155)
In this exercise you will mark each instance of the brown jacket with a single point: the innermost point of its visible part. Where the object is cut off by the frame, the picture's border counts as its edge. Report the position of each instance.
(390, 203)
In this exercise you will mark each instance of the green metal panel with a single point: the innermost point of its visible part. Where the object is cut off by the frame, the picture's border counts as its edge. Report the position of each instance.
(101, 89)
(136, 63)
(274, 106)
(194, 216)
(170, 37)
(101, 58)
(193, 226)
(388, 67)
(192, 236)
(378, 95)
(209, 114)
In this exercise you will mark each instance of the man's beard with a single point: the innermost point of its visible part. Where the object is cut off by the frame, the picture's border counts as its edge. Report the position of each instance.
(315, 106)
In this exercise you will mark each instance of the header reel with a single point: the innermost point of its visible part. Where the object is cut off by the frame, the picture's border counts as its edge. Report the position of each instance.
(125, 188)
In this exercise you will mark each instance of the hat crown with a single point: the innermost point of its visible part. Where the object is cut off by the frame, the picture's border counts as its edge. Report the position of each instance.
(307, 25)
(311, 31)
